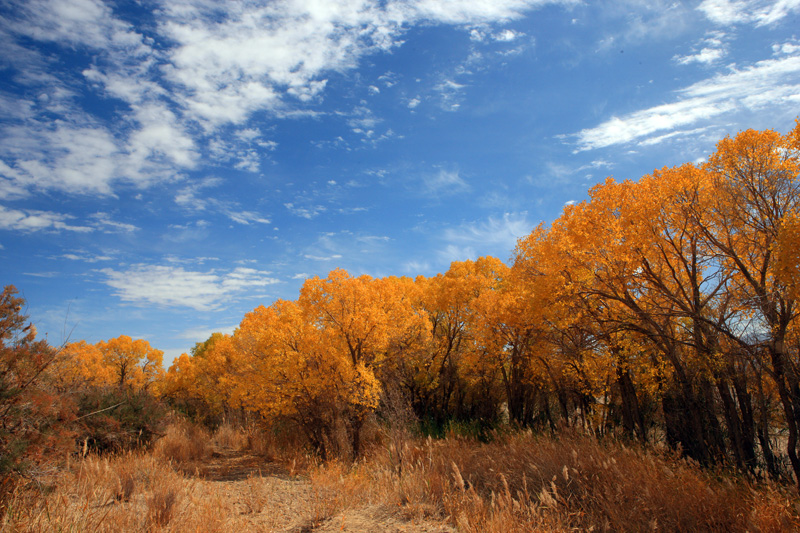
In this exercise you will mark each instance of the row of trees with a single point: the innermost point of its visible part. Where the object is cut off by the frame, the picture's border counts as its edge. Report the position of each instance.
(662, 309)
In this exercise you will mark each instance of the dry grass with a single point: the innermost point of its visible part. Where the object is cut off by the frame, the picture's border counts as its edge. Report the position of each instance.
(517, 483)
(230, 437)
(161, 506)
(184, 443)
(526, 483)
(89, 497)
(96, 494)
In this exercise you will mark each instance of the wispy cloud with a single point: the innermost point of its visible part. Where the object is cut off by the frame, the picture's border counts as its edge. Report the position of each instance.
(173, 286)
(758, 12)
(772, 82)
(30, 220)
(42, 274)
(450, 94)
(246, 217)
(710, 50)
(482, 34)
(202, 333)
(495, 235)
(79, 255)
(306, 211)
(445, 182)
(333, 246)
(104, 222)
(331, 257)
(191, 197)
(196, 71)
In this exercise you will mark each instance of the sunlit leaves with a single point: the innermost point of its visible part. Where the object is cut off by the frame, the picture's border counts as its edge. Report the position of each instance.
(132, 362)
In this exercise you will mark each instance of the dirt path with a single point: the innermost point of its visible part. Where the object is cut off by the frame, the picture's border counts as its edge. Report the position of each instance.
(265, 496)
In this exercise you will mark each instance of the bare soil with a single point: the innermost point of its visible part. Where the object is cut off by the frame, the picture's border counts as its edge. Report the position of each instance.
(267, 497)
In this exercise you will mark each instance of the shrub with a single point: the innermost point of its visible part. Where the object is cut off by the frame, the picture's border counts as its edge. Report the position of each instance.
(184, 442)
(115, 418)
(33, 417)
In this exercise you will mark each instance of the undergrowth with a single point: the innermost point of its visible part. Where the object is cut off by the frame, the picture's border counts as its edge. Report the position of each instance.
(517, 482)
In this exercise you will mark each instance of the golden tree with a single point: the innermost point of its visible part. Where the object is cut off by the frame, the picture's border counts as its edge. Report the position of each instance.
(287, 368)
(133, 362)
(749, 225)
(80, 365)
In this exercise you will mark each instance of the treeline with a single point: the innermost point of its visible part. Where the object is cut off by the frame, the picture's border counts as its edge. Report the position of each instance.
(661, 310)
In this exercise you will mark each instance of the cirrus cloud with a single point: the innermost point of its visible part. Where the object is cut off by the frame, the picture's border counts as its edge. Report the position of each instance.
(173, 286)
(772, 82)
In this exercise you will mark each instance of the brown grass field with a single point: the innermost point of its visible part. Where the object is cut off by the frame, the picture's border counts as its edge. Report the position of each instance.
(193, 480)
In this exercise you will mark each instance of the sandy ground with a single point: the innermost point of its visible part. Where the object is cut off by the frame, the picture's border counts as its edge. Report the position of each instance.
(265, 497)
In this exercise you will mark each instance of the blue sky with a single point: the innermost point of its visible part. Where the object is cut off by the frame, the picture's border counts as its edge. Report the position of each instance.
(167, 166)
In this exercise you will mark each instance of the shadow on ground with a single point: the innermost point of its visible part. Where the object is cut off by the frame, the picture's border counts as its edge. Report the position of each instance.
(235, 465)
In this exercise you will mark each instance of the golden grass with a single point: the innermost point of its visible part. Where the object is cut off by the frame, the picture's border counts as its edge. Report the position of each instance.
(519, 482)
(525, 483)
(184, 443)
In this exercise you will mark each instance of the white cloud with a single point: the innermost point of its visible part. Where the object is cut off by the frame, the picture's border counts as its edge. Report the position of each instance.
(201, 334)
(73, 152)
(758, 12)
(77, 155)
(199, 68)
(31, 220)
(77, 22)
(159, 136)
(85, 257)
(452, 252)
(681, 134)
(308, 211)
(190, 197)
(363, 121)
(492, 236)
(172, 286)
(246, 217)
(333, 246)
(42, 274)
(68, 157)
(706, 55)
(643, 21)
(469, 11)
(445, 182)
(725, 12)
(450, 94)
(323, 257)
(507, 36)
(477, 35)
(103, 222)
(416, 268)
(773, 82)
(786, 48)
(483, 33)
(779, 10)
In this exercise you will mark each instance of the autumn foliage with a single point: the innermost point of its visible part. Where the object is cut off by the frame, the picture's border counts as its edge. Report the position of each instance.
(663, 308)
(33, 420)
(662, 311)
